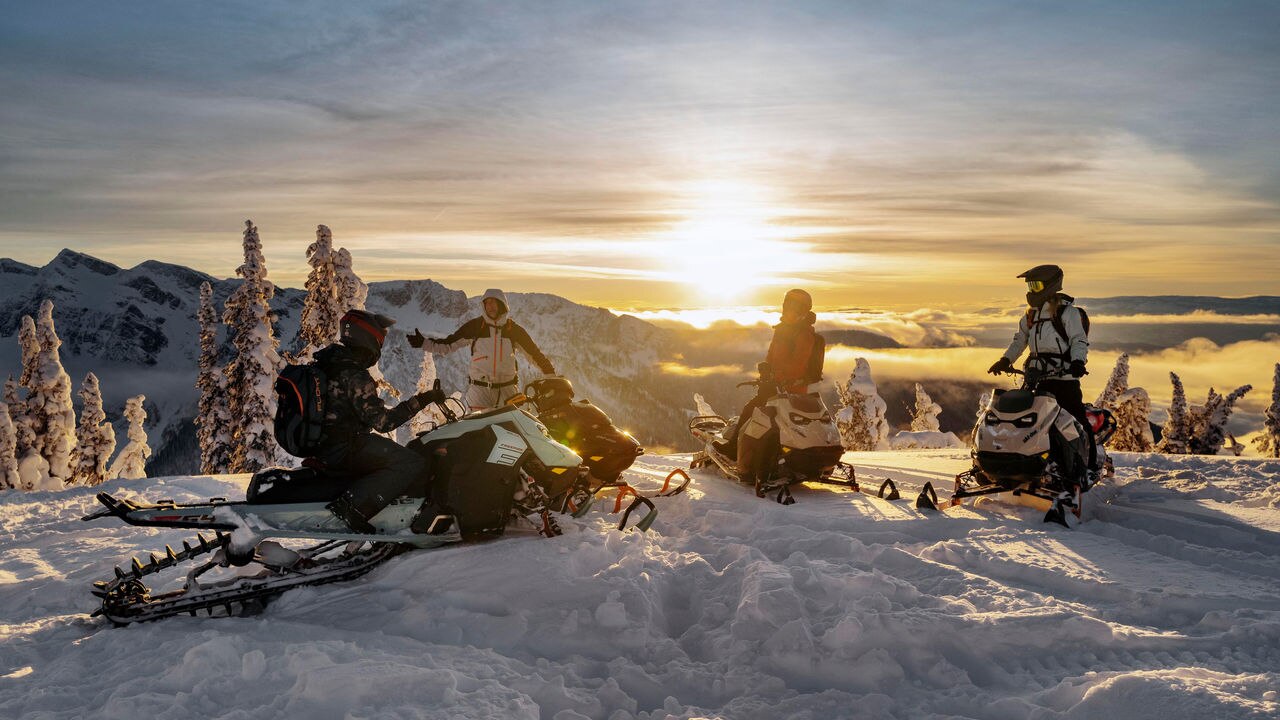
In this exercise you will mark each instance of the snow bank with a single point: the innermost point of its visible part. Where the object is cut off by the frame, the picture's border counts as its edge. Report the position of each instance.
(1165, 604)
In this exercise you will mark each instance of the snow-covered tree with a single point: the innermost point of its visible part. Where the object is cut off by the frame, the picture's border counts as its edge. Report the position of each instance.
(251, 373)
(324, 306)
(131, 463)
(1209, 422)
(1118, 383)
(431, 416)
(1176, 431)
(352, 292)
(49, 411)
(1235, 446)
(861, 417)
(924, 416)
(33, 469)
(1132, 410)
(213, 418)
(29, 347)
(1268, 441)
(95, 438)
(703, 407)
(9, 477)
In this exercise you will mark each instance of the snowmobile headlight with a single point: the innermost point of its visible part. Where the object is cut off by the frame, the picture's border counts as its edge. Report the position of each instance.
(800, 419)
(1026, 420)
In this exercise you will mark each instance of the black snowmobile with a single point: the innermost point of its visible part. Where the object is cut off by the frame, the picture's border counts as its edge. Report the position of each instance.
(483, 471)
(606, 451)
(789, 439)
(1028, 450)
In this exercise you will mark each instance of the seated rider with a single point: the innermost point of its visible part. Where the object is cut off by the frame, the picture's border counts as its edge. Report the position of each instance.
(493, 338)
(795, 358)
(383, 469)
(1053, 328)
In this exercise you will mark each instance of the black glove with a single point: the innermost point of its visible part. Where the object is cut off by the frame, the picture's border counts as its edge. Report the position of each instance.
(1002, 365)
(417, 339)
(1077, 369)
(434, 395)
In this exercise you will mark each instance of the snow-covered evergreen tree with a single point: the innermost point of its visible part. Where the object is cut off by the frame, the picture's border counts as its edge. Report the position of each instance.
(131, 463)
(431, 416)
(924, 416)
(324, 304)
(33, 469)
(9, 477)
(703, 407)
(251, 373)
(352, 291)
(213, 418)
(49, 399)
(29, 348)
(861, 417)
(1268, 441)
(95, 438)
(1209, 422)
(1132, 410)
(1116, 384)
(17, 412)
(1176, 431)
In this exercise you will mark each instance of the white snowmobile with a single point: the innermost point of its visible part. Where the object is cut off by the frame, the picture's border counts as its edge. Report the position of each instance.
(484, 470)
(1030, 451)
(789, 439)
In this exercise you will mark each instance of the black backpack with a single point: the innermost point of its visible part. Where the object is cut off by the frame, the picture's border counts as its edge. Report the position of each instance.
(301, 392)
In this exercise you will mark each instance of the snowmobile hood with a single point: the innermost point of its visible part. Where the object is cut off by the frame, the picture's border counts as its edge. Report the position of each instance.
(501, 297)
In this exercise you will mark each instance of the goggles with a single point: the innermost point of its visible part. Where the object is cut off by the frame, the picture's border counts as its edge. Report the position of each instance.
(1035, 285)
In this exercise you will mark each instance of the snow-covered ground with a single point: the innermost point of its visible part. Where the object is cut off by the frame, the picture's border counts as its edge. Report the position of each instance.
(1164, 604)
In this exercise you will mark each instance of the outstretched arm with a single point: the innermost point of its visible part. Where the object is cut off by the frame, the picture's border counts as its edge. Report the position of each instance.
(460, 338)
(520, 338)
(371, 411)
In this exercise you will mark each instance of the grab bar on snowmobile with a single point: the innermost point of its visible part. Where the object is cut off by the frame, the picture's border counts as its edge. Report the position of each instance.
(664, 492)
(698, 419)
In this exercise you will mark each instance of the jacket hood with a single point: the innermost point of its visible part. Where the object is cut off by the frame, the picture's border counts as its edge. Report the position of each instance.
(501, 297)
(808, 318)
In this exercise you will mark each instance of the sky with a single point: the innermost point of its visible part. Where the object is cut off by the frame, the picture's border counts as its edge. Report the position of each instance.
(658, 155)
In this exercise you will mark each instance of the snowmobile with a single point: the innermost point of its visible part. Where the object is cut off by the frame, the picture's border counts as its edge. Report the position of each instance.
(606, 451)
(789, 439)
(483, 470)
(1030, 451)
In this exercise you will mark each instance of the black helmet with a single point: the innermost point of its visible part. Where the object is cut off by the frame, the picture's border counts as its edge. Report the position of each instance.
(550, 392)
(364, 331)
(1043, 282)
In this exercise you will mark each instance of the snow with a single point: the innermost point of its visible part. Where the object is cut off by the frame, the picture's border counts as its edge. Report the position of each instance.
(1164, 604)
(924, 440)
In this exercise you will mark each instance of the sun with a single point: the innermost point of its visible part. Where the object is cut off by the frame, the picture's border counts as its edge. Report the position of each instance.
(726, 248)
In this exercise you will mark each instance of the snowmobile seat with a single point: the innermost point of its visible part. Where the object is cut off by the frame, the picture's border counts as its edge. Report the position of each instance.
(305, 484)
(1014, 401)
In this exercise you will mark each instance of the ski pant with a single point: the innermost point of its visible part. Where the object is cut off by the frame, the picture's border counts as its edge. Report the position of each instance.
(730, 447)
(481, 398)
(383, 471)
(1071, 399)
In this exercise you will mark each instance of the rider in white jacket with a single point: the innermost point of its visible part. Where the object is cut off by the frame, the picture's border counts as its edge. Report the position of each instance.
(493, 339)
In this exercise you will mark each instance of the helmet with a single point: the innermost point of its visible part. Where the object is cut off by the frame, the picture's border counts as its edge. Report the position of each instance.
(798, 300)
(1043, 282)
(550, 392)
(364, 331)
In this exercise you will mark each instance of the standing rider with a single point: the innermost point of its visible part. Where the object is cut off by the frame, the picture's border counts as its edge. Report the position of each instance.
(493, 339)
(1055, 330)
(383, 469)
(795, 359)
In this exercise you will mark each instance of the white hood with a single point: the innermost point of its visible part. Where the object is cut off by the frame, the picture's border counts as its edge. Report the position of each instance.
(501, 297)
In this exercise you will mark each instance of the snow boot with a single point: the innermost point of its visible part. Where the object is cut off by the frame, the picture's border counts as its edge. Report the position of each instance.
(346, 517)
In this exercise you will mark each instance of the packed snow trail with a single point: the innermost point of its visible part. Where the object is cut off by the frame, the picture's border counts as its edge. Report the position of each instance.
(1164, 604)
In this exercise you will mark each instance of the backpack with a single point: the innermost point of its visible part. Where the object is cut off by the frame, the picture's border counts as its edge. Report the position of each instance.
(1058, 325)
(300, 409)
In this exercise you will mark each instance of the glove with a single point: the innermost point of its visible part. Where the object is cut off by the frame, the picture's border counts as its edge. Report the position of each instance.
(434, 395)
(1002, 365)
(416, 340)
(1077, 369)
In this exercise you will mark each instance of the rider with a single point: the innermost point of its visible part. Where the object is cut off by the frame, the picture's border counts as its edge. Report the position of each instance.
(383, 469)
(1054, 329)
(795, 358)
(493, 339)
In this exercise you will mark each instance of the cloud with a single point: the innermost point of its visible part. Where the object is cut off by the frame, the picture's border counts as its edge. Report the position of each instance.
(675, 368)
